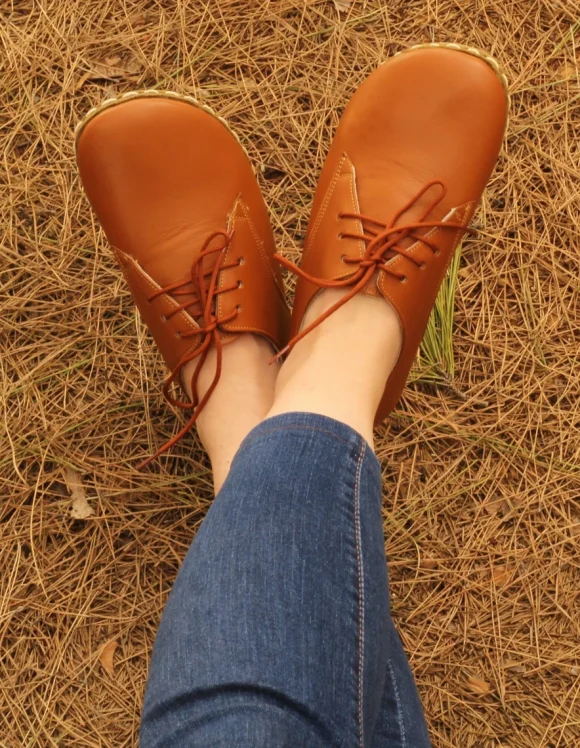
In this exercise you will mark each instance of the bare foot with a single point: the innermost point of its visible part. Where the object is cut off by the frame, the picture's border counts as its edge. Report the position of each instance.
(241, 400)
(340, 368)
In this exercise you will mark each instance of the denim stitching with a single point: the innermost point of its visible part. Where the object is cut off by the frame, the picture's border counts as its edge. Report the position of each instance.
(360, 594)
(399, 708)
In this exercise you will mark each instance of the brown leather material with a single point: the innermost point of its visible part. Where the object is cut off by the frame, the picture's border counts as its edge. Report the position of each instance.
(177, 198)
(161, 176)
(422, 133)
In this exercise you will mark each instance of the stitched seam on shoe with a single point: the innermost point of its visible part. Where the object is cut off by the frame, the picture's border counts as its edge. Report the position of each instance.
(399, 708)
(231, 220)
(456, 213)
(324, 206)
(260, 245)
(360, 573)
(356, 207)
(431, 234)
(183, 315)
(259, 242)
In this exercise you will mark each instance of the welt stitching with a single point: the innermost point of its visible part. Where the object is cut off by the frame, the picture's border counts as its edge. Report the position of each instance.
(258, 240)
(356, 208)
(360, 594)
(399, 708)
(324, 206)
(156, 287)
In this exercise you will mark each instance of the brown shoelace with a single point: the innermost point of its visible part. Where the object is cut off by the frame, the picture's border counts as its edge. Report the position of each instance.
(202, 285)
(382, 243)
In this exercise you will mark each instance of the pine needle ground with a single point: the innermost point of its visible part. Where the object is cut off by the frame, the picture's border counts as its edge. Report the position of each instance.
(481, 460)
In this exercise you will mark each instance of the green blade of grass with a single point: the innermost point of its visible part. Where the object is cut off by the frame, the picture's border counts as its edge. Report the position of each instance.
(435, 363)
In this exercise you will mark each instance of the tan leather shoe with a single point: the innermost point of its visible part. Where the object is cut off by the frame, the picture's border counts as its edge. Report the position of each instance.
(180, 205)
(407, 167)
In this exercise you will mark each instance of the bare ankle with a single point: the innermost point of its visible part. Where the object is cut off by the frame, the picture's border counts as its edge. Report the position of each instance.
(340, 369)
(241, 400)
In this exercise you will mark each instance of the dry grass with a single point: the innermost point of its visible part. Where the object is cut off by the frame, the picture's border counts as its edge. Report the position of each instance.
(482, 479)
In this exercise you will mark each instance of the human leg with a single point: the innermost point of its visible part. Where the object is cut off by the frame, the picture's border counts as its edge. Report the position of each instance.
(242, 686)
(401, 721)
(276, 630)
(242, 399)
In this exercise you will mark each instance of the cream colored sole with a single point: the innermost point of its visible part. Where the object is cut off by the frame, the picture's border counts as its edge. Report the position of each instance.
(150, 93)
(491, 61)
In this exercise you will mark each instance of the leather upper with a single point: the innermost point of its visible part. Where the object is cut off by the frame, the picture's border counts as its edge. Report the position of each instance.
(162, 176)
(430, 114)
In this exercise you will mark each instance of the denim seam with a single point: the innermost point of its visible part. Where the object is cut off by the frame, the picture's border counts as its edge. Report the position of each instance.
(360, 571)
(400, 720)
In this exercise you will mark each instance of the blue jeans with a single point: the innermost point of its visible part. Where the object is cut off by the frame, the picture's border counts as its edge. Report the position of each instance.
(277, 632)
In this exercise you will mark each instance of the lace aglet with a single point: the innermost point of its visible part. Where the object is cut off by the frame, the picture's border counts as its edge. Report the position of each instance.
(146, 462)
(157, 454)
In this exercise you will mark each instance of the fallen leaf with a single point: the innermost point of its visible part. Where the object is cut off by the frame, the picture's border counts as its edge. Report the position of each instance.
(80, 508)
(106, 656)
(478, 685)
(102, 71)
(428, 563)
(133, 67)
(513, 665)
(140, 19)
(113, 68)
(569, 70)
(342, 5)
(82, 80)
(465, 272)
(249, 84)
(495, 505)
(499, 574)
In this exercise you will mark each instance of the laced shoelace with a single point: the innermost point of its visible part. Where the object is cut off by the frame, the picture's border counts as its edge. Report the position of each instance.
(202, 285)
(382, 243)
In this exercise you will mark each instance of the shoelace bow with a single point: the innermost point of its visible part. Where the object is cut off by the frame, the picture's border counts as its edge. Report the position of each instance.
(381, 245)
(202, 285)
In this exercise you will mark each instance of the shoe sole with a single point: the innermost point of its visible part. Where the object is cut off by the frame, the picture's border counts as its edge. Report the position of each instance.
(152, 93)
(473, 51)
